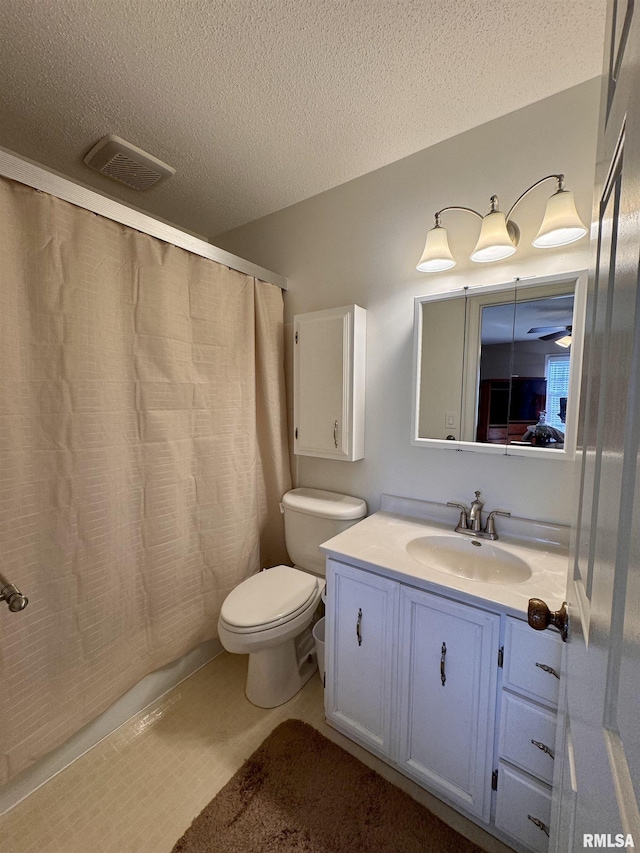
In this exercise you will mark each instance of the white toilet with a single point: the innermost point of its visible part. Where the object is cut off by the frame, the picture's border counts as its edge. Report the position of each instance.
(268, 616)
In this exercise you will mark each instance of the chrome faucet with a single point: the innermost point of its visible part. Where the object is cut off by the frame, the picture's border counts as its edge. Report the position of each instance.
(470, 521)
(475, 513)
(10, 593)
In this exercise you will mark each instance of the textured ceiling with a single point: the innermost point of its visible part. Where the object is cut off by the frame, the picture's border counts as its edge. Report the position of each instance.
(259, 104)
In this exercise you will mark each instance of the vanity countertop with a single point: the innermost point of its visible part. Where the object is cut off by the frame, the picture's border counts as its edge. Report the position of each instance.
(378, 543)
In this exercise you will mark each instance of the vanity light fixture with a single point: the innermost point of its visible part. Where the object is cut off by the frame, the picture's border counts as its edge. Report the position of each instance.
(499, 234)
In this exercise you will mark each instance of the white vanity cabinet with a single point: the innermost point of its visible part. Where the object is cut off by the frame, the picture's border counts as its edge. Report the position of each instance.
(447, 689)
(389, 649)
(328, 382)
(362, 621)
(526, 742)
(459, 697)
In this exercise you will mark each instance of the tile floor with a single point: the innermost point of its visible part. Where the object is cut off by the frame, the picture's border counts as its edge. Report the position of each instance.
(139, 789)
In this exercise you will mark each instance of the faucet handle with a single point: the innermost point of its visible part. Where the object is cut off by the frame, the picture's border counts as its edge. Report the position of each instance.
(490, 526)
(463, 523)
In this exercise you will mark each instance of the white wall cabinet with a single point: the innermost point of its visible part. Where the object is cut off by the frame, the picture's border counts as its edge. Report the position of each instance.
(458, 697)
(328, 381)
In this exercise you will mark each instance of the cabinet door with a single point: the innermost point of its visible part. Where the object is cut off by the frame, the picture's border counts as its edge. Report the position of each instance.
(448, 692)
(360, 642)
(329, 349)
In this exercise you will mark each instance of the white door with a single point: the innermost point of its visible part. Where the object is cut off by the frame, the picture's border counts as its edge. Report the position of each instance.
(447, 689)
(597, 783)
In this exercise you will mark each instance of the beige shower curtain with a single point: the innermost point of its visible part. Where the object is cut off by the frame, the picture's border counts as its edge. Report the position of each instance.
(143, 453)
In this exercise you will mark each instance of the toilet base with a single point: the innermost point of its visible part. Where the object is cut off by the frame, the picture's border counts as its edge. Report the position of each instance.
(276, 674)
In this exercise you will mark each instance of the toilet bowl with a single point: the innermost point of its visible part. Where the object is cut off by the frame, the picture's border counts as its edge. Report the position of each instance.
(268, 616)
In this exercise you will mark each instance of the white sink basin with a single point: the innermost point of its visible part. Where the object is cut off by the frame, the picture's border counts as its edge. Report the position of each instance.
(466, 557)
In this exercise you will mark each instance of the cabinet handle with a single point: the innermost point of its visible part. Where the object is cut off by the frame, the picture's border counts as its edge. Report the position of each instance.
(358, 624)
(443, 654)
(544, 748)
(539, 824)
(548, 669)
(335, 433)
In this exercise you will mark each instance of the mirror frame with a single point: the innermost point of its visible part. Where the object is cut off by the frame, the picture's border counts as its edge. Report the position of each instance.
(471, 362)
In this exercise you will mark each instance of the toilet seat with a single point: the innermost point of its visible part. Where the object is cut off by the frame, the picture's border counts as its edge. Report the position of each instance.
(269, 599)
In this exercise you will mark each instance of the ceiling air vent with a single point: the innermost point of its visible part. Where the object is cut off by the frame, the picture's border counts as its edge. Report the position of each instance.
(122, 161)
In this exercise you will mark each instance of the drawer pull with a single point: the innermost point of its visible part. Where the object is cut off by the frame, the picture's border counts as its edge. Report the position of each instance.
(335, 433)
(544, 748)
(539, 824)
(358, 624)
(548, 669)
(443, 654)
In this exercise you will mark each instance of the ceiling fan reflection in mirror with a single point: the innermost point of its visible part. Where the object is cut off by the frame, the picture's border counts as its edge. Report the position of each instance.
(561, 335)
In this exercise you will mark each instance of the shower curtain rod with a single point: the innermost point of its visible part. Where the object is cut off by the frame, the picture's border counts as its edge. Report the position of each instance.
(32, 174)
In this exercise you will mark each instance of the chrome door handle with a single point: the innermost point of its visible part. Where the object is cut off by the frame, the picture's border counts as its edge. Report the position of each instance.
(335, 433)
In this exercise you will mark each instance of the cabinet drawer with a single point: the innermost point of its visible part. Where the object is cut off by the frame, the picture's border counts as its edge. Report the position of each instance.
(532, 661)
(521, 800)
(527, 736)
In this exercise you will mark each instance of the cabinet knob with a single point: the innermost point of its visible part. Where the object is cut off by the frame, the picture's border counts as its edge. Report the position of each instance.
(540, 617)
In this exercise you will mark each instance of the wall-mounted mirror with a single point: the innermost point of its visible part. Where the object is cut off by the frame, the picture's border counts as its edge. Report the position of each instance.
(497, 368)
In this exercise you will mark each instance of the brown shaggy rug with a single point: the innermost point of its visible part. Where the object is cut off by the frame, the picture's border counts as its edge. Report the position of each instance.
(300, 793)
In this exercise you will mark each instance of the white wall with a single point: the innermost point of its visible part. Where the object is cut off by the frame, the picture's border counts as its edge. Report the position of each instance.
(360, 242)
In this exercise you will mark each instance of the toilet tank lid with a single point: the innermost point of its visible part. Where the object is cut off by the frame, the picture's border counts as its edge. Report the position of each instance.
(324, 504)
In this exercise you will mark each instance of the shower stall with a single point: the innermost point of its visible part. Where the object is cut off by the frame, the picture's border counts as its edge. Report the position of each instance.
(143, 449)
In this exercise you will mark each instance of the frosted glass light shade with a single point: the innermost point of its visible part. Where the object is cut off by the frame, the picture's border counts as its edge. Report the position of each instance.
(437, 254)
(561, 224)
(564, 342)
(494, 242)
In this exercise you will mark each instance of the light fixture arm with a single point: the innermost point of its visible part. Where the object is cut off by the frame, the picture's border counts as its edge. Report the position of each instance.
(559, 188)
(444, 210)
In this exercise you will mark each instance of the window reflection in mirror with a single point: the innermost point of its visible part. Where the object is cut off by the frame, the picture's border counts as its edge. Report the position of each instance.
(497, 368)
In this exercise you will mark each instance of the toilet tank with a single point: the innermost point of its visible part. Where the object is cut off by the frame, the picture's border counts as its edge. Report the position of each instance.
(311, 516)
